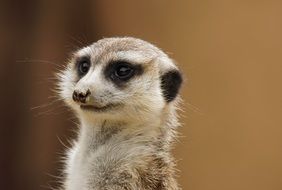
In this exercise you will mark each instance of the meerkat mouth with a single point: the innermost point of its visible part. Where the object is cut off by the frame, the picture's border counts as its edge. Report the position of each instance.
(99, 109)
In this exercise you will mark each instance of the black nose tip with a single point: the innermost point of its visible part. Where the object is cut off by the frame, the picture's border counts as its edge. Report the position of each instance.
(80, 96)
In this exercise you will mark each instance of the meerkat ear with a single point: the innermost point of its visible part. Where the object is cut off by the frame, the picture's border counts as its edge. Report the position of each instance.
(170, 84)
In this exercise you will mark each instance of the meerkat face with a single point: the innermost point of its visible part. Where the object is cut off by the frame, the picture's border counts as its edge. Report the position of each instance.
(119, 77)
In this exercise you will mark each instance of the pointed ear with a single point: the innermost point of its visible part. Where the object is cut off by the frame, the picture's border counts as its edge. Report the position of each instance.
(170, 84)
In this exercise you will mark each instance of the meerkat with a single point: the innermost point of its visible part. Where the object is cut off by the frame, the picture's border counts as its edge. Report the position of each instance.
(124, 92)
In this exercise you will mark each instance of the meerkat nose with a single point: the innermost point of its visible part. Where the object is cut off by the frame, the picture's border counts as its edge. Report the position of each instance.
(80, 97)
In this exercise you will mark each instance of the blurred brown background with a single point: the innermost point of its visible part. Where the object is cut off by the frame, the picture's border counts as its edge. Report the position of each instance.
(230, 52)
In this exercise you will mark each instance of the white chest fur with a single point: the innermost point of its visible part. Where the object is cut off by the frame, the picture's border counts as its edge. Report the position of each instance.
(108, 157)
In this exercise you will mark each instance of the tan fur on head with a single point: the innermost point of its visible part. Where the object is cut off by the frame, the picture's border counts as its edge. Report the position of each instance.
(123, 91)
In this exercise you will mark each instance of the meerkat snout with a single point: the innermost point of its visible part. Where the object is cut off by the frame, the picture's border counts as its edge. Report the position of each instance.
(81, 97)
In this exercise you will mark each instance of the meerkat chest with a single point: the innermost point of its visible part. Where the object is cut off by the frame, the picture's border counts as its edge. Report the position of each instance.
(108, 166)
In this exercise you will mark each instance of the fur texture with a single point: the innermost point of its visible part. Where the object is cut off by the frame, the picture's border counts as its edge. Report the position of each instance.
(127, 126)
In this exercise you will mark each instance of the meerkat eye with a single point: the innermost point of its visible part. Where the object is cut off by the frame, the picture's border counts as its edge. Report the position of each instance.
(83, 66)
(123, 71)
(119, 72)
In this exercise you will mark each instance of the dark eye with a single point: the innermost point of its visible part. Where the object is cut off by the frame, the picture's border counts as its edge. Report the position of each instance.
(120, 72)
(83, 67)
(123, 72)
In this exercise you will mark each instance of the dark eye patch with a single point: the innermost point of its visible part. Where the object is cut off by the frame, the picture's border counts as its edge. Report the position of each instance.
(83, 65)
(119, 72)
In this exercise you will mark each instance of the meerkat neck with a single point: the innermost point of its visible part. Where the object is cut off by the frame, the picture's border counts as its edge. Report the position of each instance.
(94, 134)
(122, 149)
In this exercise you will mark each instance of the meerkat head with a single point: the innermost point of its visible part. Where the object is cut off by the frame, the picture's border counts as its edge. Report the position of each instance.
(120, 78)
